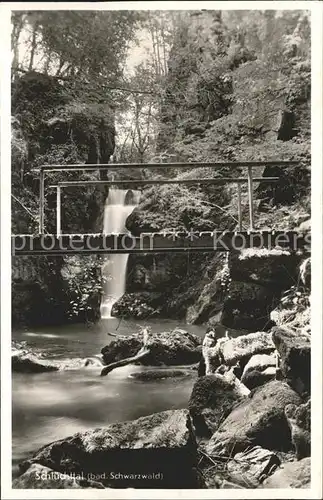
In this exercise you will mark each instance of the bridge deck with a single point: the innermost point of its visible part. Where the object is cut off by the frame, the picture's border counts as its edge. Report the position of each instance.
(86, 244)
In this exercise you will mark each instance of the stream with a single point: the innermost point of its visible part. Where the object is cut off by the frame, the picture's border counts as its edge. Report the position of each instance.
(50, 406)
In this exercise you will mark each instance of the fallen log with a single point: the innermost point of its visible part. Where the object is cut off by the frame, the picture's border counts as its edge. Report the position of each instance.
(127, 361)
(112, 334)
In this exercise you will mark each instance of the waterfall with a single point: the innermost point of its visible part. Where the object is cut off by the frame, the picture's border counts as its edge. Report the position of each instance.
(119, 204)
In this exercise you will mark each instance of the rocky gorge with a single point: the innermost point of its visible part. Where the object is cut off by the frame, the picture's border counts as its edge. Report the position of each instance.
(229, 94)
(247, 422)
(206, 115)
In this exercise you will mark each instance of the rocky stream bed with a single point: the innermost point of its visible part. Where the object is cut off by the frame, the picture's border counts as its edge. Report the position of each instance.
(247, 421)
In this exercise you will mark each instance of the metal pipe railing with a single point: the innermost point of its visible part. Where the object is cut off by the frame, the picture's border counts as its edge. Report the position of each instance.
(109, 166)
(224, 180)
(250, 197)
(41, 200)
(228, 180)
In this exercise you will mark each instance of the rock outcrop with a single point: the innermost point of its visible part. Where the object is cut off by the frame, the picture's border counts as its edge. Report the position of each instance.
(212, 399)
(295, 358)
(211, 300)
(177, 347)
(274, 268)
(299, 421)
(259, 420)
(156, 451)
(38, 476)
(251, 467)
(291, 475)
(237, 350)
(245, 288)
(138, 305)
(28, 363)
(247, 305)
(261, 368)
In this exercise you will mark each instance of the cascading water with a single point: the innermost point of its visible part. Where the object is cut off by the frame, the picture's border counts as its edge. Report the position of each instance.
(119, 204)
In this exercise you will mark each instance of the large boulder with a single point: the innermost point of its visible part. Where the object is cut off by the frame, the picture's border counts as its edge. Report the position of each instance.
(275, 268)
(211, 300)
(291, 475)
(305, 272)
(295, 358)
(242, 348)
(155, 274)
(293, 311)
(138, 305)
(156, 451)
(121, 348)
(38, 476)
(259, 420)
(237, 350)
(299, 421)
(247, 306)
(251, 467)
(255, 378)
(221, 330)
(176, 347)
(212, 399)
(137, 222)
(260, 369)
(28, 363)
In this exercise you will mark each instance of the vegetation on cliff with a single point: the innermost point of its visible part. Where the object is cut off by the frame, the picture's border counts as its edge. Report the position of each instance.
(230, 85)
(237, 88)
(62, 113)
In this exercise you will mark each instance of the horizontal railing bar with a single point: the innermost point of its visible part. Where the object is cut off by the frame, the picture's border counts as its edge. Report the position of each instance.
(157, 242)
(162, 233)
(108, 166)
(222, 180)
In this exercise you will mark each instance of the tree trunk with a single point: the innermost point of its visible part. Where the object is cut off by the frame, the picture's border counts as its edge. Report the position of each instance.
(143, 353)
(33, 47)
(164, 50)
(61, 64)
(160, 68)
(155, 62)
(18, 23)
(46, 64)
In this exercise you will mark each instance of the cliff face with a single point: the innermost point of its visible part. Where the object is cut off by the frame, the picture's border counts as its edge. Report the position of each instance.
(238, 80)
(238, 88)
(51, 124)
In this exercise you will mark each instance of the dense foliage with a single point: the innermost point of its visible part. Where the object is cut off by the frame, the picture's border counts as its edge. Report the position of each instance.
(75, 43)
(209, 85)
(238, 88)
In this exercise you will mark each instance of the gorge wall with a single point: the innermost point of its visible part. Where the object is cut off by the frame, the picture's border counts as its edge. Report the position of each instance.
(51, 124)
(233, 92)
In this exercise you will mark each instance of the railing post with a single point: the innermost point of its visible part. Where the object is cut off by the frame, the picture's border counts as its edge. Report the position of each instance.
(239, 206)
(58, 211)
(250, 196)
(41, 200)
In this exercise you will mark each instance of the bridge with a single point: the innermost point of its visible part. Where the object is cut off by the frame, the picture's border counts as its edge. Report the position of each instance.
(174, 241)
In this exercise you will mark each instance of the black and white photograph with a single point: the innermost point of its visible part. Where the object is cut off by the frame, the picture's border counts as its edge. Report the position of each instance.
(165, 265)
